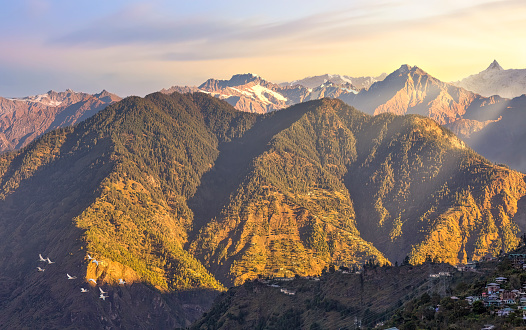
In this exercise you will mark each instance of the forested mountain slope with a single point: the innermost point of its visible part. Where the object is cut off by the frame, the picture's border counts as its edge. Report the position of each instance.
(182, 195)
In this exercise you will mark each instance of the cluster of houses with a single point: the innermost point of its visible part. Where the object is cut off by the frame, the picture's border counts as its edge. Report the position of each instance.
(518, 260)
(288, 292)
(447, 274)
(505, 301)
(285, 279)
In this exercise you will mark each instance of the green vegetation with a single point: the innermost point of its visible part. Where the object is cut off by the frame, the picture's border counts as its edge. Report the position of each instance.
(182, 193)
(434, 311)
(335, 301)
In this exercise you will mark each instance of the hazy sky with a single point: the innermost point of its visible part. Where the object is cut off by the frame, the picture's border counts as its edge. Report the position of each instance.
(138, 47)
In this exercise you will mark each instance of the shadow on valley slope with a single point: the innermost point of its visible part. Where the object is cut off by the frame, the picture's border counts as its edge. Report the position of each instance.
(234, 163)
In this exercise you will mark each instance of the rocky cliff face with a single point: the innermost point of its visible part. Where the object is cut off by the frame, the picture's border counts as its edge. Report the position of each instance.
(22, 120)
(251, 93)
(410, 90)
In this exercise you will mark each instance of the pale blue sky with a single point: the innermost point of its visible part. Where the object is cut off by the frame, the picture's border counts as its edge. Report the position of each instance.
(138, 47)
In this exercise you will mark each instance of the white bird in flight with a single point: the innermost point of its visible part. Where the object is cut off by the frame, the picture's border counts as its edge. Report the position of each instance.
(121, 281)
(71, 277)
(102, 292)
(95, 261)
(102, 296)
(40, 269)
(83, 290)
(92, 280)
(41, 258)
(89, 257)
(49, 261)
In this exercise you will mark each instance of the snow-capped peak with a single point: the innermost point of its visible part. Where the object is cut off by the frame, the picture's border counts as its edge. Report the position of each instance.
(496, 81)
(41, 98)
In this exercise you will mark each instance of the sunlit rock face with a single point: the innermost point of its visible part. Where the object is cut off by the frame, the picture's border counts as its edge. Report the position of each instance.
(24, 119)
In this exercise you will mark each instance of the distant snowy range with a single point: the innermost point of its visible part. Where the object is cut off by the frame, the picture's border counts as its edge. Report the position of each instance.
(486, 109)
(496, 81)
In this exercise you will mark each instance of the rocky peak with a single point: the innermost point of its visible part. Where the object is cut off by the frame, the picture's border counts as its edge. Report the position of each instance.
(404, 69)
(242, 79)
(494, 66)
(107, 97)
(236, 80)
(102, 94)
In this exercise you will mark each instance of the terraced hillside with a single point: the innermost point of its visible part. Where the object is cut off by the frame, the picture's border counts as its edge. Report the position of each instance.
(181, 196)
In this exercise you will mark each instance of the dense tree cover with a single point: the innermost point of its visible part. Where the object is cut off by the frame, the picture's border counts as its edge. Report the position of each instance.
(336, 185)
(419, 181)
(291, 213)
(182, 192)
(335, 301)
(113, 187)
(432, 310)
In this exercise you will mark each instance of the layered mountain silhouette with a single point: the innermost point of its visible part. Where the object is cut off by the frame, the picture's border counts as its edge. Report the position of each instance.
(24, 119)
(493, 126)
(181, 196)
(251, 93)
(496, 81)
(408, 90)
(316, 81)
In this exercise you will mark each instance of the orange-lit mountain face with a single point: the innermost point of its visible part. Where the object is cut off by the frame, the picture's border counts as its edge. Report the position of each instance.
(251, 93)
(24, 119)
(181, 196)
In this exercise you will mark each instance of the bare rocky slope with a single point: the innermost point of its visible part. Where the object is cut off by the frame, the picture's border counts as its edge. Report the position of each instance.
(24, 119)
(251, 93)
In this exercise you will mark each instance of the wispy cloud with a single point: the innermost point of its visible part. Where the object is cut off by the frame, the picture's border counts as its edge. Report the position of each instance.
(164, 40)
(125, 29)
(207, 37)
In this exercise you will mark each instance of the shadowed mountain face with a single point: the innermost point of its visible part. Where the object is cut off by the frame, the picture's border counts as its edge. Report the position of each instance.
(182, 195)
(502, 140)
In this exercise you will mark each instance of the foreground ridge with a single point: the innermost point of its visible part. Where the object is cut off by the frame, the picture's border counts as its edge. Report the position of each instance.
(180, 196)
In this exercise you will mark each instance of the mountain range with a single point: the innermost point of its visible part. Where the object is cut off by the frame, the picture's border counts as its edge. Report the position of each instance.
(316, 81)
(251, 93)
(496, 81)
(24, 119)
(489, 125)
(181, 195)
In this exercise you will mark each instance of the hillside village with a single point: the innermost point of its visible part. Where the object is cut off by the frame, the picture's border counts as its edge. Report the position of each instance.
(485, 294)
(492, 296)
(503, 296)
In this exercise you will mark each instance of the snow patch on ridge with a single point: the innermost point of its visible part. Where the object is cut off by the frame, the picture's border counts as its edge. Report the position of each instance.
(260, 92)
(42, 98)
(495, 80)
